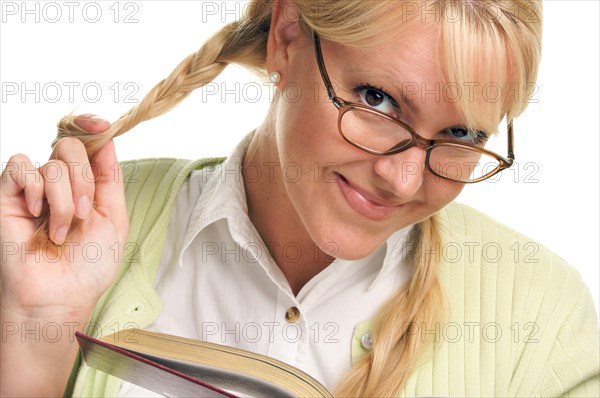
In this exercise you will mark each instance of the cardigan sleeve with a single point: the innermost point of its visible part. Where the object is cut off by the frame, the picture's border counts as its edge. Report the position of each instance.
(546, 329)
(573, 368)
(587, 388)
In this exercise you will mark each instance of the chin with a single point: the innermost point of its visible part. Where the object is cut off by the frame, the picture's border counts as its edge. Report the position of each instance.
(357, 250)
(346, 244)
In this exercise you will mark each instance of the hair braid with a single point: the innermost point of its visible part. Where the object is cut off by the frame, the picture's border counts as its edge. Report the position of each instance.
(384, 370)
(229, 45)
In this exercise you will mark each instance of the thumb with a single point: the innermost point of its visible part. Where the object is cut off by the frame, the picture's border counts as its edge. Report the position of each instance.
(110, 191)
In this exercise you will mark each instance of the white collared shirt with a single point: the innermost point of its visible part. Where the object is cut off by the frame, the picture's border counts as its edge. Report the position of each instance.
(218, 283)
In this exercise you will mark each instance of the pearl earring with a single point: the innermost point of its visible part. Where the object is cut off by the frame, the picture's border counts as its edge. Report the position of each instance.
(274, 77)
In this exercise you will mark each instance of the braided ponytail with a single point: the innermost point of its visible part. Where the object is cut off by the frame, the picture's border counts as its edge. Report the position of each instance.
(238, 42)
(396, 347)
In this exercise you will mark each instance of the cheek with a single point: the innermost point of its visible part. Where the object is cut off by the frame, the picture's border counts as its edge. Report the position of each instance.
(440, 192)
(306, 130)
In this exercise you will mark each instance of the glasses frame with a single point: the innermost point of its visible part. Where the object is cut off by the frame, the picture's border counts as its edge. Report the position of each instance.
(344, 106)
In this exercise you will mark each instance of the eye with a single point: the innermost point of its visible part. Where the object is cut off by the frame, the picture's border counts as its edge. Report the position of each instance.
(457, 133)
(377, 98)
(461, 134)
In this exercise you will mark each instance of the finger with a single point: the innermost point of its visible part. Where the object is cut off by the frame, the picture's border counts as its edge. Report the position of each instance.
(21, 175)
(92, 123)
(110, 190)
(72, 152)
(57, 187)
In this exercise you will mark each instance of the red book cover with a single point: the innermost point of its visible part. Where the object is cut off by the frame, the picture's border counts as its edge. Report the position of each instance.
(145, 372)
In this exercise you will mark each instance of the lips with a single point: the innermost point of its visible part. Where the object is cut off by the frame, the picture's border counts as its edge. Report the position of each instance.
(364, 202)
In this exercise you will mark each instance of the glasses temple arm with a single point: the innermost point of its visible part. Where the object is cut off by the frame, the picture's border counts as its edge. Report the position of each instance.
(324, 74)
(511, 153)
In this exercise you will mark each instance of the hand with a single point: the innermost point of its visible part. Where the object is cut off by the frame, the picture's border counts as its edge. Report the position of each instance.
(88, 227)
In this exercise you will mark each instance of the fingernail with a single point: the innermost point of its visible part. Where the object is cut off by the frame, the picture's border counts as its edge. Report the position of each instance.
(60, 235)
(94, 119)
(83, 206)
(37, 208)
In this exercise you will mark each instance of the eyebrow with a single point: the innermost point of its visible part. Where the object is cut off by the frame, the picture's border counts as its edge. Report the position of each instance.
(407, 101)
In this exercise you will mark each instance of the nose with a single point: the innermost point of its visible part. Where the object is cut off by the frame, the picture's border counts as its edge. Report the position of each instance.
(403, 173)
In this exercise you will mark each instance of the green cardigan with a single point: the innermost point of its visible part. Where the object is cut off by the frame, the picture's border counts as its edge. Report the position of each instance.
(521, 321)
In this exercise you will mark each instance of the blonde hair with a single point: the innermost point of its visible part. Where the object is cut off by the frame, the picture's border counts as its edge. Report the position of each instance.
(480, 41)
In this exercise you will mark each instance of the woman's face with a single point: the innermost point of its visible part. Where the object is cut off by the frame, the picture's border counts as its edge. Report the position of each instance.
(348, 199)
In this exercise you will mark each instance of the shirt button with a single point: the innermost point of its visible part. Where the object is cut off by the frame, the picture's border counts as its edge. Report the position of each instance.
(366, 341)
(292, 314)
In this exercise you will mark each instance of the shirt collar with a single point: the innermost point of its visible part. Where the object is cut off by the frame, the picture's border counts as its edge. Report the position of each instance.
(223, 196)
(395, 255)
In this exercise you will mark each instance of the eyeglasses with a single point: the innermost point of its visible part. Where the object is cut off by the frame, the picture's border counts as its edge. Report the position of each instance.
(378, 133)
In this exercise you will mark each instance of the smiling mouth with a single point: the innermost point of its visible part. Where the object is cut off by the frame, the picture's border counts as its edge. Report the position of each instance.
(367, 206)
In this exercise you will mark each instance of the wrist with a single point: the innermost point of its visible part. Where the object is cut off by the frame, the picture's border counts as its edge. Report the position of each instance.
(22, 311)
(47, 325)
(40, 350)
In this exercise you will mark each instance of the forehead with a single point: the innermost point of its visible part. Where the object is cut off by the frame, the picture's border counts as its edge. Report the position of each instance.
(408, 69)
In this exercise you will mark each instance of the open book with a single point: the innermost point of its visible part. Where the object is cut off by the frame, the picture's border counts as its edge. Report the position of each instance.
(176, 366)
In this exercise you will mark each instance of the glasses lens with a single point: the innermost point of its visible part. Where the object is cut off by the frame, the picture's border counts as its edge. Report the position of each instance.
(381, 135)
(461, 163)
(373, 131)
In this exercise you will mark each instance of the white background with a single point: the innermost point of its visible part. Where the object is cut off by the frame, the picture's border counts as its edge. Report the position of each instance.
(551, 195)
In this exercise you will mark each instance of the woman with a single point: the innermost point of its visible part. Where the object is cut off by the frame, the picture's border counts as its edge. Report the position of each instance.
(368, 213)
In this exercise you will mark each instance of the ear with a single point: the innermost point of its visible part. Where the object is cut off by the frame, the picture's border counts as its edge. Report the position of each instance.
(284, 32)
